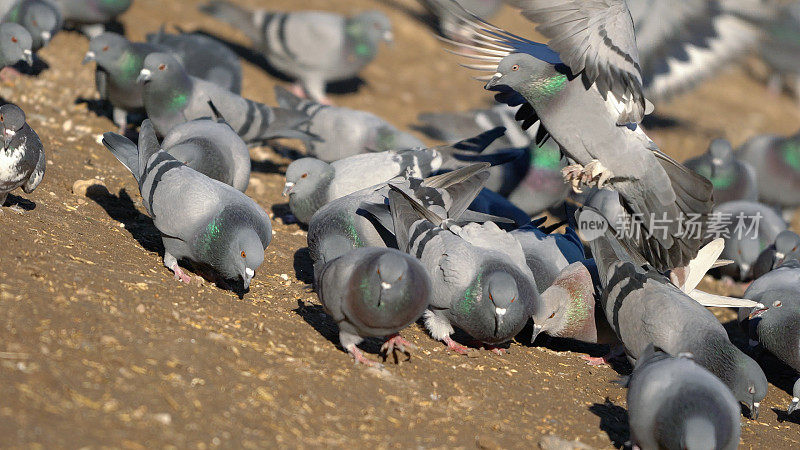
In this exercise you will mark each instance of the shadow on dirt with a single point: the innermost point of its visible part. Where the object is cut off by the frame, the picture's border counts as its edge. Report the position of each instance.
(613, 420)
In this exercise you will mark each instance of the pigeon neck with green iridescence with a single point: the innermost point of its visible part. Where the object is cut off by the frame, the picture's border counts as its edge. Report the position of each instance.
(305, 204)
(127, 67)
(360, 46)
(544, 86)
(214, 242)
(171, 93)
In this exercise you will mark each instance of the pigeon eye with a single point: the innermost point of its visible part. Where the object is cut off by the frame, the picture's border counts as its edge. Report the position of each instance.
(244, 255)
(105, 49)
(512, 300)
(777, 304)
(552, 315)
(162, 67)
(2, 118)
(14, 39)
(34, 23)
(515, 67)
(751, 390)
(304, 175)
(794, 249)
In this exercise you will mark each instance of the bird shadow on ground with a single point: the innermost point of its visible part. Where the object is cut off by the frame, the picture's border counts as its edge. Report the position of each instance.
(303, 267)
(122, 209)
(22, 203)
(39, 65)
(316, 316)
(613, 420)
(656, 121)
(102, 108)
(349, 86)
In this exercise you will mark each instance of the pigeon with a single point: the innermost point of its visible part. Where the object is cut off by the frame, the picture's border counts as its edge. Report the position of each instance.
(643, 307)
(15, 45)
(203, 57)
(683, 43)
(548, 254)
(585, 87)
(41, 18)
(732, 179)
(342, 132)
(534, 183)
(776, 160)
(675, 403)
(201, 220)
(22, 160)
(776, 322)
(480, 281)
(450, 25)
(373, 292)
(363, 218)
(211, 147)
(312, 183)
(92, 16)
(785, 248)
(172, 97)
(313, 47)
(748, 228)
(120, 61)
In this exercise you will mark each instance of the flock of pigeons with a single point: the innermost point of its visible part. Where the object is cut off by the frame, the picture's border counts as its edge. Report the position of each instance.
(399, 232)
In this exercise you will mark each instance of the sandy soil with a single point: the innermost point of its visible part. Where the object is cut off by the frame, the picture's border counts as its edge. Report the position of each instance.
(99, 346)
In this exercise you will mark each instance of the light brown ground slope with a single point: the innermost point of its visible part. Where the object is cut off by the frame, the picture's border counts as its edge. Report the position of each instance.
(100, 347)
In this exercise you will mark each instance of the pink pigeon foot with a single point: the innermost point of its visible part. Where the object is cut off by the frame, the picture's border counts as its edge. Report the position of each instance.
(604, 360)
(359, 358)
(397, 343)
(455, 346)
(180, 275)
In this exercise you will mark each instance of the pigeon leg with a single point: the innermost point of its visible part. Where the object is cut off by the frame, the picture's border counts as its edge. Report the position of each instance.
(495, 350)
(455, 346)
(596, 173)
(397, 343)
(572, 175)
(359, 358)
(180, 275)
(120, 117)
(298, 90)
(614, 353)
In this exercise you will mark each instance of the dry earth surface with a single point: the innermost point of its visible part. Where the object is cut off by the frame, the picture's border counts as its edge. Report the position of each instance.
(99, 346)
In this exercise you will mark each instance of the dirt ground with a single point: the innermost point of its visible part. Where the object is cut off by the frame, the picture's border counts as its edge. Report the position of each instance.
(100, 347)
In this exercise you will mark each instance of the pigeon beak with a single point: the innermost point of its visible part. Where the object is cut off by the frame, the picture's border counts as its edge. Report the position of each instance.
(144, 76)
(248, 277)
(792, 406)
(494, 81)
(716, 161)
(498, 319)
(779, 258)
(287, 188)
(388, 37)
(46, 36)
(754, 411)
(28, 55)
(385, 286)
(744, 269)
(536, 330)
(757, 311)
(8, 135)
(90, 56)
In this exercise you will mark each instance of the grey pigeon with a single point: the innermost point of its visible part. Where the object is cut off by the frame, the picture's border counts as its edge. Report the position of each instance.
(342, 132)
(203, 57)
(201, 220)
(120, 61)
(92, 16)
(41, 18)
(586, 89)
(534, 183)
(211, 147)
(480, 281)
(363, 218)
(675, 404)
(748, 228)
(644, 307)
(785, 248)
(547, 254)
(776, 160)
(450, 25)
(373, 292)
(732, 179)
(15, 45)
(312, 183)
(22, 160)
(172, 97)
(776, 322)
(313, 47)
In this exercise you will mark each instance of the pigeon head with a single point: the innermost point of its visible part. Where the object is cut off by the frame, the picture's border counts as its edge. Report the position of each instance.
(747, 251)
(15, 43)
(375, 26)
(565, 310)
(795, 397)
(721, 152)
(786, 243)
(12, 119)
(387, 137)
(749, 383)
(307, 181)
(520, 72)
(42, 20)
(161, 69)
(388, 290)
(106, 49)
(244, 257)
